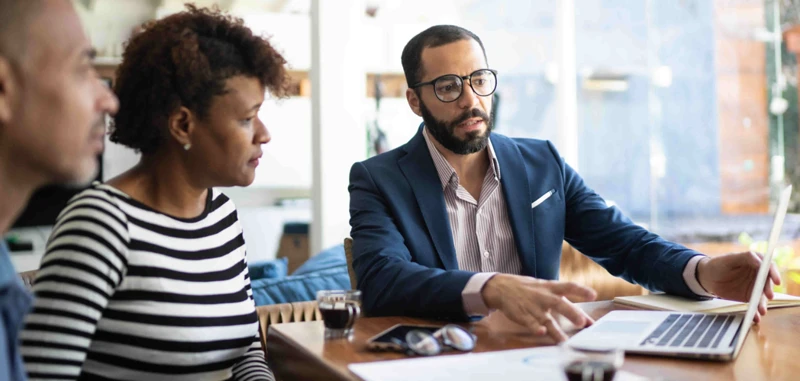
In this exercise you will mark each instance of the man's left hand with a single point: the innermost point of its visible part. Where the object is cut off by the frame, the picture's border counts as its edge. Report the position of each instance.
(731, 276)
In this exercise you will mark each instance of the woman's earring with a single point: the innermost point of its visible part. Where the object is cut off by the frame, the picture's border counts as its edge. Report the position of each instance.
(187, 146)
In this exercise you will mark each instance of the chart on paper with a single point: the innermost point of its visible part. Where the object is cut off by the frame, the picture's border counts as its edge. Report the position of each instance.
(515, 365)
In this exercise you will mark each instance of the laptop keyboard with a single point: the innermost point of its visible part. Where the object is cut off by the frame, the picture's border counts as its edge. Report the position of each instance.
(690, 331)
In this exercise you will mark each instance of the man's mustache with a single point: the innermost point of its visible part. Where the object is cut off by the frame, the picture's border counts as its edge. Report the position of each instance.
(474, 113)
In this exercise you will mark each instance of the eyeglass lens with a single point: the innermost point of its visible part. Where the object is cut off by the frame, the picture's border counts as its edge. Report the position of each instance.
(449, 87)
(458, 338)
(423, 343)
(426, 344)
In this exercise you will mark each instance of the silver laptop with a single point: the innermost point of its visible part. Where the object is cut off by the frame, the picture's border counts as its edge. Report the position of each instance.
(676, 334)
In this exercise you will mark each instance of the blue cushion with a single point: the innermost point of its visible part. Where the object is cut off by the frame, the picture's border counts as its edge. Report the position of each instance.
(276, 268)
(324, 271)
(327, 259)
(299, 288)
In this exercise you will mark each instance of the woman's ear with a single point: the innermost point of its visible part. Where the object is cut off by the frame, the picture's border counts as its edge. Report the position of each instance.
(181, 126)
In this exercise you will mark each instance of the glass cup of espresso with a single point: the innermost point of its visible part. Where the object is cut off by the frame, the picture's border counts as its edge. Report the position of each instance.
(340, 309)
(596, 364)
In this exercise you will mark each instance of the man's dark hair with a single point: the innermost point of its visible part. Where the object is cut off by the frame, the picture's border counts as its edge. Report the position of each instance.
(430, 38)
(185, 60)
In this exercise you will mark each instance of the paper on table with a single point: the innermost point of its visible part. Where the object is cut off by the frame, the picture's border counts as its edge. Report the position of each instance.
(664, 302)
(542, 363)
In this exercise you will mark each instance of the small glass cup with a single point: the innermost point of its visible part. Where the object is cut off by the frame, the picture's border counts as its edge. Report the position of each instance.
(340, 309)
(596, 364)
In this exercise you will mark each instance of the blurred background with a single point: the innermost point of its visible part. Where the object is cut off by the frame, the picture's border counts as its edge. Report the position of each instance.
(682, 113)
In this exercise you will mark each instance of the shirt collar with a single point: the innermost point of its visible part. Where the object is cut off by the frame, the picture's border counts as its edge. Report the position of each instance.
(7, 273)
(443, 168)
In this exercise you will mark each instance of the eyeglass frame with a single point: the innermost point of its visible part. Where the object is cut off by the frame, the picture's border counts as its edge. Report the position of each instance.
(439, 338)
(463, 78)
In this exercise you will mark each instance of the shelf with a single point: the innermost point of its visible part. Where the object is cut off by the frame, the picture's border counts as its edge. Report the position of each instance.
(394, 84)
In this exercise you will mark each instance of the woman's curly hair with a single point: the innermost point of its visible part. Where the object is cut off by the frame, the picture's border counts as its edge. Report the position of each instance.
(184, 60)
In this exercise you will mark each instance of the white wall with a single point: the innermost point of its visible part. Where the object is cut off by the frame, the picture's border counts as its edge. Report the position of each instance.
(109, 23)
(287, 157)
(289, 33)
(338, 136)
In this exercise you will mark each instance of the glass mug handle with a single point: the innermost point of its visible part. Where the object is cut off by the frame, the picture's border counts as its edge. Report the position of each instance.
(354, 311)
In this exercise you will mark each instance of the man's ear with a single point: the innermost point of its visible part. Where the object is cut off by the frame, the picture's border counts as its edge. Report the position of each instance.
(182, 124)
(413, 101)
(8, 90)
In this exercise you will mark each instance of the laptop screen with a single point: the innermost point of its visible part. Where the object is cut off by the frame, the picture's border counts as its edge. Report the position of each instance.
(763, 271)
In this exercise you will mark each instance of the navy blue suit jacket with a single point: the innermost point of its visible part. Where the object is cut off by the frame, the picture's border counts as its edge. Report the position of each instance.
(403, 252)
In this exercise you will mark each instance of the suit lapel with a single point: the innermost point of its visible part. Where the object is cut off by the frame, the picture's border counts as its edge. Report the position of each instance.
(516, 189)
(420, 172)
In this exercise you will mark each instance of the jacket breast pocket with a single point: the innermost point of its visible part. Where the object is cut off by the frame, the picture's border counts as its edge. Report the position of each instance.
(546, 201)
(549, 213)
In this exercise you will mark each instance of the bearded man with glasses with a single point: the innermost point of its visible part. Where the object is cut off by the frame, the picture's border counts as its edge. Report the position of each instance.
(461, 221)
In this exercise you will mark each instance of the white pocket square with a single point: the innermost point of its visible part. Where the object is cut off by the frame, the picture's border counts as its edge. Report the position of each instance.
(543, 198)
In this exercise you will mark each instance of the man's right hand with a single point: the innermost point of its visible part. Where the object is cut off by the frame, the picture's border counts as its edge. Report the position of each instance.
(530, 302)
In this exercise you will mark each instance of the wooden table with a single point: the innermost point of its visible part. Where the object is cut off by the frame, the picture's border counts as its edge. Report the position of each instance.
(297, 351)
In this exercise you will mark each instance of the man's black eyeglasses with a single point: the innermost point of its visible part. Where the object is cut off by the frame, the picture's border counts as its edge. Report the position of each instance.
(448, 88)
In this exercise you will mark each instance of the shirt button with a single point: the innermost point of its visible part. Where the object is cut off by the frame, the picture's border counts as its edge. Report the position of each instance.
(486, 254)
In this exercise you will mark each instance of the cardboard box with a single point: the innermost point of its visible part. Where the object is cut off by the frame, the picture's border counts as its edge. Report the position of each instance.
(294, 244)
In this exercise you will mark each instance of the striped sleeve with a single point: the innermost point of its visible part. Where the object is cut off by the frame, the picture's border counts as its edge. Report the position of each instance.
(252, 366)
(84, 263)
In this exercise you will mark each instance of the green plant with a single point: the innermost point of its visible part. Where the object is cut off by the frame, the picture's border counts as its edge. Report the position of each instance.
(784, 257)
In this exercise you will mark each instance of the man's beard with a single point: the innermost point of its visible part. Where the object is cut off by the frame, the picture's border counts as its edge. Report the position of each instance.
(444, 132)
(84, 179)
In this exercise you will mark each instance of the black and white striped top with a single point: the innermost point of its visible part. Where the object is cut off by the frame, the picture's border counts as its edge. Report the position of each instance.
(127, 293)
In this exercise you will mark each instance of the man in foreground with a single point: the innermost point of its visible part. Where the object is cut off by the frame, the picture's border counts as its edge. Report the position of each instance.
(52, 108)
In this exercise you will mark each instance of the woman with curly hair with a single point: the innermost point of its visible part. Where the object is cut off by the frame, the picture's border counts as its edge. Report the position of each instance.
(145, 277)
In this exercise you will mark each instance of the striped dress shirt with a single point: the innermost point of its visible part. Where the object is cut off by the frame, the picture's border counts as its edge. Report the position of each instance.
(482, 234)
